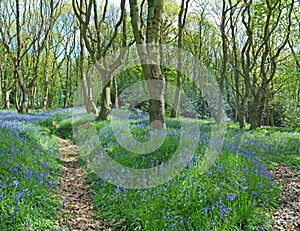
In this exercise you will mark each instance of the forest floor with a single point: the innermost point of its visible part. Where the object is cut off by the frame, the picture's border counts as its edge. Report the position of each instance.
(77, 212)
(287, 216)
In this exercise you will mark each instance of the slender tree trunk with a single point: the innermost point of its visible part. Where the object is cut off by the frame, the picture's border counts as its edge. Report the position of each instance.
(261, 108)
(91, 102)
(116, 92)
(17, 105)
(242, 114)
(46, 95)
(46, 83)
(33, 97)
(6, 95)
(25, 101)
(181, 24)
(67, 83)
(224, 63)
(203, 111)
(70, 95)
(5, 87)
(175, 108)
(105, 100)
(88, 97)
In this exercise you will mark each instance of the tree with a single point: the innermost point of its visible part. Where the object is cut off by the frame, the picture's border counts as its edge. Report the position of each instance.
(152, 72)
(91, 27)
(181, 24)
(7, 83)
(255, 54)
(22, 38)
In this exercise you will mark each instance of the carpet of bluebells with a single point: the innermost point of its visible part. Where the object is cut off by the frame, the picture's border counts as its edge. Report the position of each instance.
(29, 170)
(236, 193)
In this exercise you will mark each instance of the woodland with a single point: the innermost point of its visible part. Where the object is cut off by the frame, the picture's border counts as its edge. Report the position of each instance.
(218, 79)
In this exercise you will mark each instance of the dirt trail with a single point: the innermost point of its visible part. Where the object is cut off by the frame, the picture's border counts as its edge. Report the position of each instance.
(287, 217)
(77, 213)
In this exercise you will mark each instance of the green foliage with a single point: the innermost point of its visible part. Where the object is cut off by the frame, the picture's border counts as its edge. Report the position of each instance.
(291, 115)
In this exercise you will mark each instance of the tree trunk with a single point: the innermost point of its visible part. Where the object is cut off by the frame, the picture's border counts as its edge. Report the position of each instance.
(51, 100)
(25, 100)
(224, 62)
(175, 108)
(70, 96)
(17, 105)
(6, 95)
(92, 104)
(116, 93)
(261, 108)
(257, 108)
(151, 52)
(181, 24)
(33, 100)
(242, 115)
(105, 101)
(46, 83)
(156, 87)
(46, 94)
(88, 97)
(254, 113)
(66, 94)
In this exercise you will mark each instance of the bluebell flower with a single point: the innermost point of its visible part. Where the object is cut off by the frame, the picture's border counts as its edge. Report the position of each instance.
(244, 188)
(19, 196)
(41, 179)
(12, 217)
(17, 207)
(254, 193)
(3, 185)
(15, 183)
(117, 190)
(227, 210)
(231, 197)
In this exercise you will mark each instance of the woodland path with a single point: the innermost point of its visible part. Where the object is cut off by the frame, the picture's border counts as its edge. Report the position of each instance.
(77, 212)
(287, 216)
